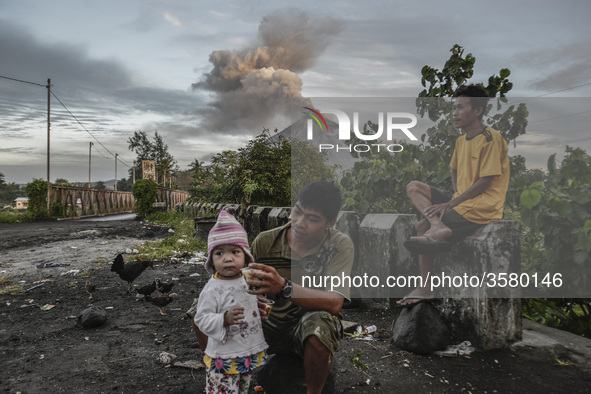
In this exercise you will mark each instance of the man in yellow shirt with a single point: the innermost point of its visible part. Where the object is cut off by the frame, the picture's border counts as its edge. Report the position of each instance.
(480, 178)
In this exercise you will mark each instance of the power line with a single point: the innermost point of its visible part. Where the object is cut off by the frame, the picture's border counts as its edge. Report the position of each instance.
(20, 80)
(561, 90)
(559, 117)
(73, 116)
(85, 129)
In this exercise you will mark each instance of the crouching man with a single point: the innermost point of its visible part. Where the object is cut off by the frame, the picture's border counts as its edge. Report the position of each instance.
(305, 321)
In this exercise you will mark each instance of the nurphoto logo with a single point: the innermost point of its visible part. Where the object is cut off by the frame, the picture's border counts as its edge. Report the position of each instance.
(391, 122)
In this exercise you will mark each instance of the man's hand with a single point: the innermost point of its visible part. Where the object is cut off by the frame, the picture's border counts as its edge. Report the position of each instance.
(437, 210)
(268, 279)
(234, 316)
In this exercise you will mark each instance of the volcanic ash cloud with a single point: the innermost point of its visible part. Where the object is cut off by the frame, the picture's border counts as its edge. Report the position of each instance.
(256, 84)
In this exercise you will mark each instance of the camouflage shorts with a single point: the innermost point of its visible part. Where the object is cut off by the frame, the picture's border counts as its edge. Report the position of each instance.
(290, 337)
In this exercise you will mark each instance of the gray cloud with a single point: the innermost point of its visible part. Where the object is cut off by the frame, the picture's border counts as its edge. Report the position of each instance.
(565, 67)
(64, 63)
(254, 85)
(100, 93)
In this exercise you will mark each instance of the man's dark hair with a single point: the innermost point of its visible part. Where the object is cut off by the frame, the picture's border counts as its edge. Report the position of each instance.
(477, 94)
(322, 196)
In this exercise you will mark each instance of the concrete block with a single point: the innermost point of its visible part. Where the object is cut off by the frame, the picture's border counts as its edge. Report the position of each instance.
(348, 223)
(488, 317)
(233, 209)
(382, 252)
(260, 222)
(278, 217)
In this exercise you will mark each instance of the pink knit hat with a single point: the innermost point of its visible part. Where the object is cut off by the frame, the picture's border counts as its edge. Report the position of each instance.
(227, 231)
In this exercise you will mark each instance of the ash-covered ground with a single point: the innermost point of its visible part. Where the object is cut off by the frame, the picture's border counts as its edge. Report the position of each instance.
(48, 351)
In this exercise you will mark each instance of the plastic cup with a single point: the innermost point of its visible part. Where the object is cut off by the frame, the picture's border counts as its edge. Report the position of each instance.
(247, 272)
(268, 305)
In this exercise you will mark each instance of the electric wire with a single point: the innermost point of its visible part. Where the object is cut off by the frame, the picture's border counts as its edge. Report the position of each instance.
(74, 117)
(20, 80)
(85, 129)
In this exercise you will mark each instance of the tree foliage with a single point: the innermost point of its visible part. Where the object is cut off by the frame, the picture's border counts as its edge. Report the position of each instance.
(259, 173)
(145, 192)
(8, 191)
(557, 211)
(124, 185)
(155, 150)
(37, 193)
(556, 217)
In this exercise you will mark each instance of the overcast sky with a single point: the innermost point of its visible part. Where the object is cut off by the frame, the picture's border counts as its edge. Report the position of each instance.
(210, 75)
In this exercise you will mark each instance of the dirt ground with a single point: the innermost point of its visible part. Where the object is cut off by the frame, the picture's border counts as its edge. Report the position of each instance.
(48, 351)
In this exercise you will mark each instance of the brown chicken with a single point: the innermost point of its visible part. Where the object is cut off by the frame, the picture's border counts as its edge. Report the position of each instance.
(162, 301)
(90, 288)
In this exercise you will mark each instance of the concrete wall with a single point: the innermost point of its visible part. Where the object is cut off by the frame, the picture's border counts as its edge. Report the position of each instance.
(489, 317)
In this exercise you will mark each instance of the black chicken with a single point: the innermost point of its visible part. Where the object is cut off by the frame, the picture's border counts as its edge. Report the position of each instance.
(147, 290)
(163, 287)
(130, 271)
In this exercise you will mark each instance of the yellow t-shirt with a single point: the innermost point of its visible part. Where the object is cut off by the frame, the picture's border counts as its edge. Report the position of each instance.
(481, 156)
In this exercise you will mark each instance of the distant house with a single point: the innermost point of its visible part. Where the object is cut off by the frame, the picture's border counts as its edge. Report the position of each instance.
(22, 202)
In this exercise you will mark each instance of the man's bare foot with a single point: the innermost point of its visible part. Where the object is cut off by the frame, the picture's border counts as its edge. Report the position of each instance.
(434, 234)
(423, 226)
(417, 296)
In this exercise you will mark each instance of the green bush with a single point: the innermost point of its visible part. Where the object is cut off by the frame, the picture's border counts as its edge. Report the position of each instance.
(58, 210)
(144, 191)
(556, 213)
(15, 217)
(37, 193)
(177, 242)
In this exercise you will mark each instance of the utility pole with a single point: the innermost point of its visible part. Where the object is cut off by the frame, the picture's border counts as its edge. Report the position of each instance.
(116, 171)
(48, 127)
(89, 163)
(133, 173)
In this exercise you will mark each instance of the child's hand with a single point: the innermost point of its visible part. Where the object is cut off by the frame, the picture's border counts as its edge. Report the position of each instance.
(234, 316)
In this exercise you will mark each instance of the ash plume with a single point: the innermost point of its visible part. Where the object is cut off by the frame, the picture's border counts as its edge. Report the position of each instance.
(254, 85)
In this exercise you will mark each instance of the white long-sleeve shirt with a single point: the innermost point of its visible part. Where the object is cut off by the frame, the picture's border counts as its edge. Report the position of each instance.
(237, 340)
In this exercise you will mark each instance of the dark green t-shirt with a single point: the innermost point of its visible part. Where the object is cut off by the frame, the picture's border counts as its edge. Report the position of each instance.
(331, 257)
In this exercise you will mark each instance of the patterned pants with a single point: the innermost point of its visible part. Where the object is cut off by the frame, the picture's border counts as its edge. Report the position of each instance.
(218, 383)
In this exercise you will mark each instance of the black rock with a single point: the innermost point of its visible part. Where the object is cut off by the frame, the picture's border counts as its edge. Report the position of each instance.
(92, 317)
(421, 330)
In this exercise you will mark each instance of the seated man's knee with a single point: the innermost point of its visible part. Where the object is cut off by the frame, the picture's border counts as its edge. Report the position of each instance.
(314, 344)
(414, 187)
(320, 330)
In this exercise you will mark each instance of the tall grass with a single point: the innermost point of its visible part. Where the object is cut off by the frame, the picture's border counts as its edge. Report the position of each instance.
(15, 217)
(177, 242)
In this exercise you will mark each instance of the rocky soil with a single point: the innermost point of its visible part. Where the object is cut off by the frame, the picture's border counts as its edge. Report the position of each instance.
(44, 349)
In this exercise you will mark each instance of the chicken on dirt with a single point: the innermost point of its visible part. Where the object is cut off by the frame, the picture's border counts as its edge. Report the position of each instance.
(90, 288)
(162, 301)
(164, 287)
(146, 290)
(130, 271)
